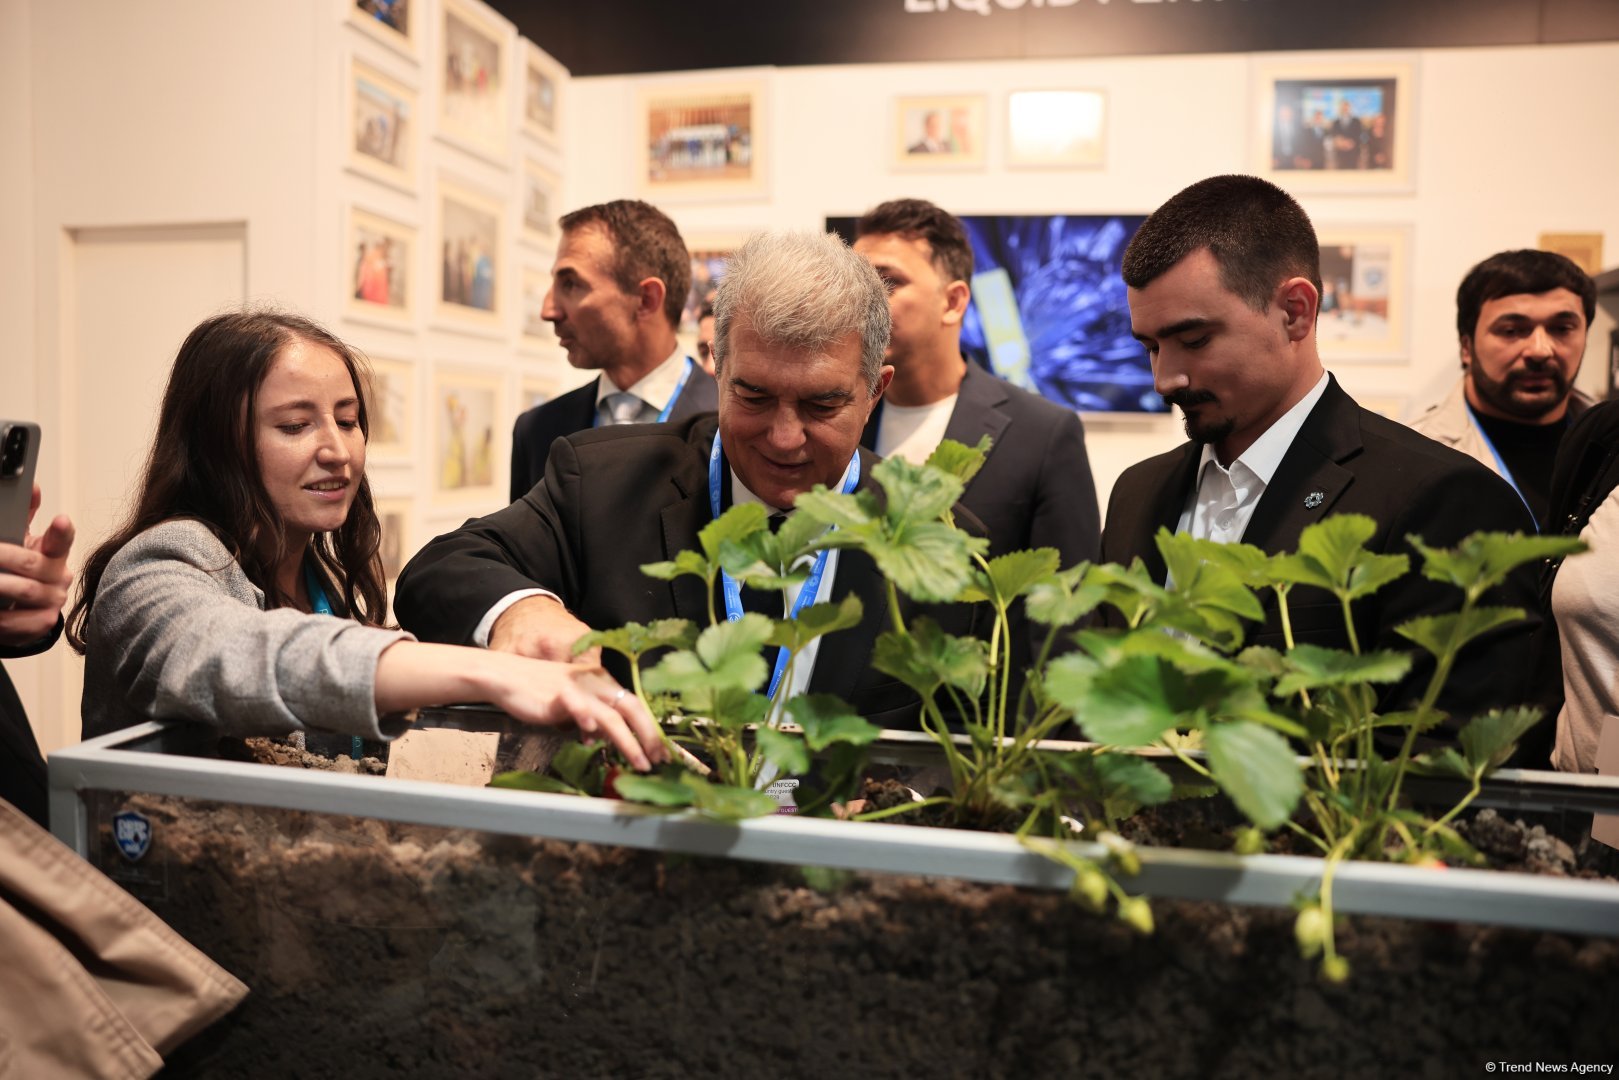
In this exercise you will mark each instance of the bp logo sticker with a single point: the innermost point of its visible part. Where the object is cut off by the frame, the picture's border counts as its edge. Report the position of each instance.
(133, 834)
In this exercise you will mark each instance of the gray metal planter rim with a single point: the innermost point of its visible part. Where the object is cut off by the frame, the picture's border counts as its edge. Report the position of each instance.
(1479, 896)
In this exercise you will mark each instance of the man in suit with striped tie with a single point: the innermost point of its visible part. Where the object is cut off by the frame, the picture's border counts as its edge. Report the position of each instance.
(618, 286)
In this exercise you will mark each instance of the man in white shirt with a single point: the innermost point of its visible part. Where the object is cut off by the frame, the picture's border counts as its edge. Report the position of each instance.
(801, 326)
(1225, 286)
(618, 286)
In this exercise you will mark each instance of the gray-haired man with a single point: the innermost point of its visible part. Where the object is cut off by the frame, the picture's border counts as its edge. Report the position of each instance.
(801, 325)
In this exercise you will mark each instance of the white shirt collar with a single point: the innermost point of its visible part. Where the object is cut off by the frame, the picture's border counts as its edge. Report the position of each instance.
(740, 495)
(655, 388)
(1264, 457)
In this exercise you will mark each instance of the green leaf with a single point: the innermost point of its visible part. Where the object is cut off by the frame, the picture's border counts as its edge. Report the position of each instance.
(786, 752)
(816, 621)
(727, 655)
(757, 562)
(1204, 582)
(1488, 740)
(796, 532)
(1311, 666)
(1126, 777)
(927, 658)
(1446, 634)
(916, 494)
(1443, 762)
(1068, 680)
(1256, 767)
(687, 562)
(1014, 574)
(577, 763)
(729, 803)
(1141, 697)
(655, 790)
(736, 524)
(1332, 555)
(1263, 660)
(728, 706)
(833, 508)
(826, 719)
(959, 460)
(633, 639)
(927, 561)
(1483, 560)
(1064, 600)
(522, 780)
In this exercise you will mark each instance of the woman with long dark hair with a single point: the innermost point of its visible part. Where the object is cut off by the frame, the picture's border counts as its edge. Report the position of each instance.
(245, 590)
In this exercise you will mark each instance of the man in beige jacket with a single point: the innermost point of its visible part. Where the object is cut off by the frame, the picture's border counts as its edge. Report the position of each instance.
(1522, 319)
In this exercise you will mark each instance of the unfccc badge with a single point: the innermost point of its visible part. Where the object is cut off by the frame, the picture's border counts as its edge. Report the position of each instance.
(132, 833)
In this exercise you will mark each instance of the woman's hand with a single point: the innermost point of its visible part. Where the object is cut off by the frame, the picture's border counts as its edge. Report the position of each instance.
(413, 674)
(555, 694)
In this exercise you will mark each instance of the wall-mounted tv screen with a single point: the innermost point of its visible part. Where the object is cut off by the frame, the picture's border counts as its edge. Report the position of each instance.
(1049, 310)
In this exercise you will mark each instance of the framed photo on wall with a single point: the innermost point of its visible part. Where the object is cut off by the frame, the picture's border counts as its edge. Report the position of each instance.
(379, 260)
(1584, 248)
(473, 69)
(1056, 129)
(1335, 127)
(382, 130)
(939, 132)
(534, 333)
(704, 140)
(543, 82)
(1365, 292)
(541, 188)
(471, 256)
(395, 23)
(390, 402)
(394, 514)
(469, 426)
(708, 257)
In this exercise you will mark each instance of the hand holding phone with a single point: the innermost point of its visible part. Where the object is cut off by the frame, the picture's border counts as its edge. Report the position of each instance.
(34, 577)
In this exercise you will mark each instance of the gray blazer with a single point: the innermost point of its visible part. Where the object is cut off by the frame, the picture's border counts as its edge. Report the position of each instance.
(179, 632)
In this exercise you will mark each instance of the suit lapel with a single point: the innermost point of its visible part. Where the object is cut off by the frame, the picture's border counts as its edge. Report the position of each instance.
(700, 395)
(1310, 478)
(682, 519)
(978, 409)
(1161, 507)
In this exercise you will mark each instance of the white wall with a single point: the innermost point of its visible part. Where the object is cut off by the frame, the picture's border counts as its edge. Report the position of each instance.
(1510, 142)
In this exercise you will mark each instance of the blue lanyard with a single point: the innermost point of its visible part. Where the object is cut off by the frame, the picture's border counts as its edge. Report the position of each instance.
(1501, 467)
(685, 373)
(318, 603)
(806, 592)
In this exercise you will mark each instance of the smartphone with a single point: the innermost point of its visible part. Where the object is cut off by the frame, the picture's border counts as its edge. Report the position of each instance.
(19, 452)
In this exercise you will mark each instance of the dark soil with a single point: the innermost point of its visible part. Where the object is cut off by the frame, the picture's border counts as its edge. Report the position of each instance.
(385, 950)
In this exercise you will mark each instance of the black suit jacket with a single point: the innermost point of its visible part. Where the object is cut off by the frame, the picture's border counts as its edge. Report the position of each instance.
(612, 500)
(22, 767)
(1360, 463)
(543, 425)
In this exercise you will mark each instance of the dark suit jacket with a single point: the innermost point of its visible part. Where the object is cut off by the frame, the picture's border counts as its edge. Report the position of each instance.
(612, 500)
(1361, 463)
(542, 425)
(22, 767)
(1035, 489)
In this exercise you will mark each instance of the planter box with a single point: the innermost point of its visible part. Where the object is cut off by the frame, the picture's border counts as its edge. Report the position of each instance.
(419, 929)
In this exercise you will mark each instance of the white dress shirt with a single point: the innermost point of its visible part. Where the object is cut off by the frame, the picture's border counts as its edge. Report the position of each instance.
(1223, 502)
(655, 388)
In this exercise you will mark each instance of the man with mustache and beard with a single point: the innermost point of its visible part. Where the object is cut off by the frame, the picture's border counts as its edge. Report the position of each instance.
(1224, 288)
(1521, 317)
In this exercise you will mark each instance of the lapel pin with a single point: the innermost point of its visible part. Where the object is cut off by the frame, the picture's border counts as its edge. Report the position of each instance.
(1314, 499)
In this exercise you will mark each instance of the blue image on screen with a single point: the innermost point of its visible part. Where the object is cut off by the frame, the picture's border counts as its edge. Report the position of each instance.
(1049, 311)
(1062, 271)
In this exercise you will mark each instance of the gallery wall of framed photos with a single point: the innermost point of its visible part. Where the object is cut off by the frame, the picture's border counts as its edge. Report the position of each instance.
(1396, 155)
(448, 166)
